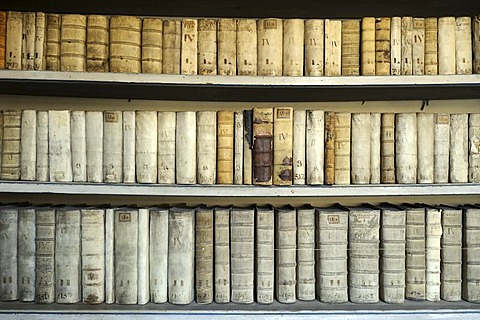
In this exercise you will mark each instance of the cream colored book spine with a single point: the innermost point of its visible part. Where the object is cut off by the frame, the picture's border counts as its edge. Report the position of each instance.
(28, 145)
(342, 147)
(78, 145)
(3, 35)
(1, 140)
(407, 46)
(463, 45)
(11, 149)
(247, 146)
(152, 45)
(459, 148)
(125, 44)
(446, 45)
(361, 133)
(166, 146)
(314, 47)
(188, 62)
(128, 146)
(8, 253)
(285, 257)
(40, 44)
(265, 249)
(186, 146)
(143, 258)
(299, 135)
(367, 54)
(415, 274)
(315, 142)
(474, 148)
(28, 59)
(52, 40)
(109, 256)
(387, 148)
(98, 32)
(227, 47)
(431, 46)
(238, 148)
(94, 145)
(375, 157)
(13, 45)
(172, 39)
(395, 46)
(425, 147)
(451, 267)
(225, 147)
(476, 44)
(270, 45)
(72, 42)
(333, 48)
(293, 44)
(441, 148)
(207, 47)
(158, 252)
(113, 146)
(406, 147)
(350, 47)
(382, 46)
(418, 46)
(282, 145)
(44, 255)
(59, 150)
(24, 42)
(433, 233)
(42, 146)
(471, 254)
(204, 255)
(329, 147)
(306, 253)
(246, 47)
(206, 147)
(25, 254)
(146, 146)
(222, 254)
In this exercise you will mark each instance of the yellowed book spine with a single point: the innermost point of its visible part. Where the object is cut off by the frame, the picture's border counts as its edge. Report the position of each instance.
(113, 146)
(431, 46)
(446, 45)
(368, 47)
(28, 51)
(207, 47)
(239, 148)
(361, 132)
(125, 44)
(53, 42)
(166, 147)
(188, 54)
(314, 47)
(246, 47)
(40, 44)
(329, 147)
(474, 148)
(270, 45)
(12, 120)
(387, 148)
(342, 147)
(206, 147)
(407, 53)
(333, 47)
(382, 46)
(1, 141)
(227, 47)
(152, 45)
(463, 45)
(3, 36)
(97, 43)
(406, 147)
(146, 144)
(262, 146)
(350, 47)
(418, 46)
(375, 125)
(476, 45)
(186, 147)
(299, 127)
(225, 150)
(172, 39)
(315, 146)
(395, 46)
(282, 145)
(72, 42)
(28, 145)
(13, 46)
(293, 37)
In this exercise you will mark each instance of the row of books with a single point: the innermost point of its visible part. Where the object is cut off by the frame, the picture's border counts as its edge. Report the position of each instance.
(263, 146)
(264, 47)
(243, 255)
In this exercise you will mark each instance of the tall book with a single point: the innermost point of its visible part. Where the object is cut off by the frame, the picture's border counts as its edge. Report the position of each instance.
(166, 146)
(26, 253)
(98, 27)
(247, 146)
(306, 253)
(1, 140)
(52, 40)
(407, 46)
(204, 281)
(418, 46)
(406, 147)
(433, 233)
(59, 153)
(128, 146)
(474, 148)
(459, 148)
(293, 44)
(285, 257)
(395, 46)
(158, 253)
(3, 36)
(315, 142)
(172, 38)
(94, 144)
(314, 47)
(246, 47)
(382, 46)
(471, 254)
(367, 54)
(188, 62)
(431, 46)
(8, 253)
(28, 50)
(476, 44)
(415, 272)
(40, 44)
(146, 146)
(361, 132)
(112, 146)
(238, 148)
(269, 45)
(181, 252)
(262, 146)
(299, 135)
(11, 149)
(185, 147)
(207, 47)
(28, 145)
(227, 47)
(143, 259)
(446, 45)
(225, 146)
(425, 147)
(152, 45)
(125, 44)
(109, 255)
(282, 145)
(387, 148)
(441, 148)
(44, 255)
(222, 254)
(350, 47)
(242, 222)
(78, 145)
(329, 147)
(333, 47)
(463, 45)
(265, 254)
(13, 44)
(375, 156)
(342, 147)
(73, 35)
(206, 147)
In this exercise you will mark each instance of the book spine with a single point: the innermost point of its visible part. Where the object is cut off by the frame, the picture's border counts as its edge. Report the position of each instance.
(270, 45)
(40, 44)
(350, 47)
(471, 256)
(225, 147)
(158, 255)
(59, 152)
(238, 144)
(8, 254)
(396, 46)
(476, 45)
(52, 40)
(93, 256)
(299, 135)
(406, 147)
(97, 43)
(463, 45)
(207, 47)
(333, 47)
(206, 147)
(44, 256)
(109, 256)
(94, 133)
(28, 145)
(431, 46)
(73, 34)
(342, 147)
(204, 256)
(78, 145)
(186, 145)
(458, 148)
(315, 141)
(222, 255)
(1, 140)
(415, 255)
(285, 258)
(375, 158)
(407, 46)
(128, 146)
(247, 146)
(125, 44)
(113, 146)
(227, 47)
(146, 128)
(446, 45)
(3, 36)
(293, 44)
(306, 254)
(262, 146)
(172, 38)
(451, 266)
(387, 148)
(143, 258)
(329, 147)
(13, 44)
(28, 52)
(152, 45)
(314, 47)
(418, 46)
(474, 148)
(433, 233)
(265, 252)
(441, 148)
(367, 55)
(382, 46)
(246, 47)
(26, 254)
(12, 121)
(361, 132)
(188, 63)
(166, 146)
(425, 144)
(282, 145)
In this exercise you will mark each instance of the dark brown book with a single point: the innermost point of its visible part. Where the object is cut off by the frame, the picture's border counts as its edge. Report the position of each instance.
(262, 146)
(3, 32)
(329, 147)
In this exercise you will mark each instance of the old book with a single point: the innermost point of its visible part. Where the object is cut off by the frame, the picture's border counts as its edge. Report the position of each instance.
(13, 44)
(126, 255)
(42, 146)
(98, 35)
(28, 50)
(181, 252)
(247, 146)
(204, 281)
(3, 35)
(329, 147)
(314, 47)
(112, 146)
(67, 255)
(128, 146)
(152, 45)
(78, 145)
(293, 44)
(225, 147)
(415, 272)
(166, 146)
(433, 233)
(299, 135)
(407, 46)
(282, 145)
(246, 47)
(406, 147)
(73, 37)
(1, 141)
(222, 254)
(146, 146)
(94, 133)
(387, 148)
(476, 44)
(342, 147)
(361, 132)
(8, 253)
(238, 148)
(458, 148)
(350, 47)
(418, 46)
(474, 148)
(11, 149)
(188, 62)
(431, 46)
(333, 47)
(125, 44)
(425, 145)
(375, 128)
(395, 46)
(26, 253)
(471, 254)
(285, 257)
(382, 46)
(172, 38)
(206, 147)
(109, 255)
(270, 47)
(158, 253)
(331, 254)
(59, 153)
(446, 45)
(143, 259)
(40, 44)
(315, 142)
(463, 45)
(207, 46)
(45, 255)
(93, 255)
(52, 40)
(306, 253)
(265, 253)
(367, 54)
(28, 145)
(186, 142)
(262, 146)
(441, 148)
(227, 47)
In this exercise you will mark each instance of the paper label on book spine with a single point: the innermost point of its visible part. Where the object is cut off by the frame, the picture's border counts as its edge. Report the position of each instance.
(158, 255)
(459, 148)
(333, 47)
(361, 133)
(44, 255)
(350, 47)
(113, 146)
(59, 153)
(225, 147)
(382, 46)
(146, 146)
(207, 47)
(270, 47)
(246, 47)
(463, 45)
(129, 146)
(446, 45)
(222, 255)
(189, 46)
(368, 47)
(315, 146)
(125, 44)
(8, 254)
(186, 148)
(395, 46)
(293, 44)
(474, 148)
(418, 46)
(306, 254)
(94, 144)
(97, 43)
(26, 254)
(206, 147)
(72, 42)
(152, 45)
(53, 42)
(28, 145)
(406, 147)
(314, 47)
(227, 47)
(441, 148)
(13, 45)
(204, 255)
(172, 38)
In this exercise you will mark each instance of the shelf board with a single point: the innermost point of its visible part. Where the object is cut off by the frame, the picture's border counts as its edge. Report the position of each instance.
(238, 88)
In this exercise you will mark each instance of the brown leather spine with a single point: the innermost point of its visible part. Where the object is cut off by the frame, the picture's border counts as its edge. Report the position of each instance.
(262, 146)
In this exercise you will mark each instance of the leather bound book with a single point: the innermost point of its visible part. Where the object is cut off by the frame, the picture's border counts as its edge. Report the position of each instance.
(262, 146)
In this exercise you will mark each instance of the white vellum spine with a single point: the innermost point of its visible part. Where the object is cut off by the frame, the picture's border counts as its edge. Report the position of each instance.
(441, 148)
(146, 146)
(474, 148)
(94, 137)
(315, 142)
(459, 148)
(109, 256)
(206, 147)
(314, 47)
(306, 254)
(222, 255)
(186, 141)
(425, 147)
(433, 233)
(286, 244)
(129, 146)
(375, 125)
(79, 146)
(26, 254)
(143, 276)
(395, 46)
(293, 37)
(299, 126)
(361, 145)
(265, 262)
(28, 145)
(406, 147)
(8, 254)
(59, 154)
(42, 146)
(446, 45)
(113, 146)
(158, 255)
(166, 146)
